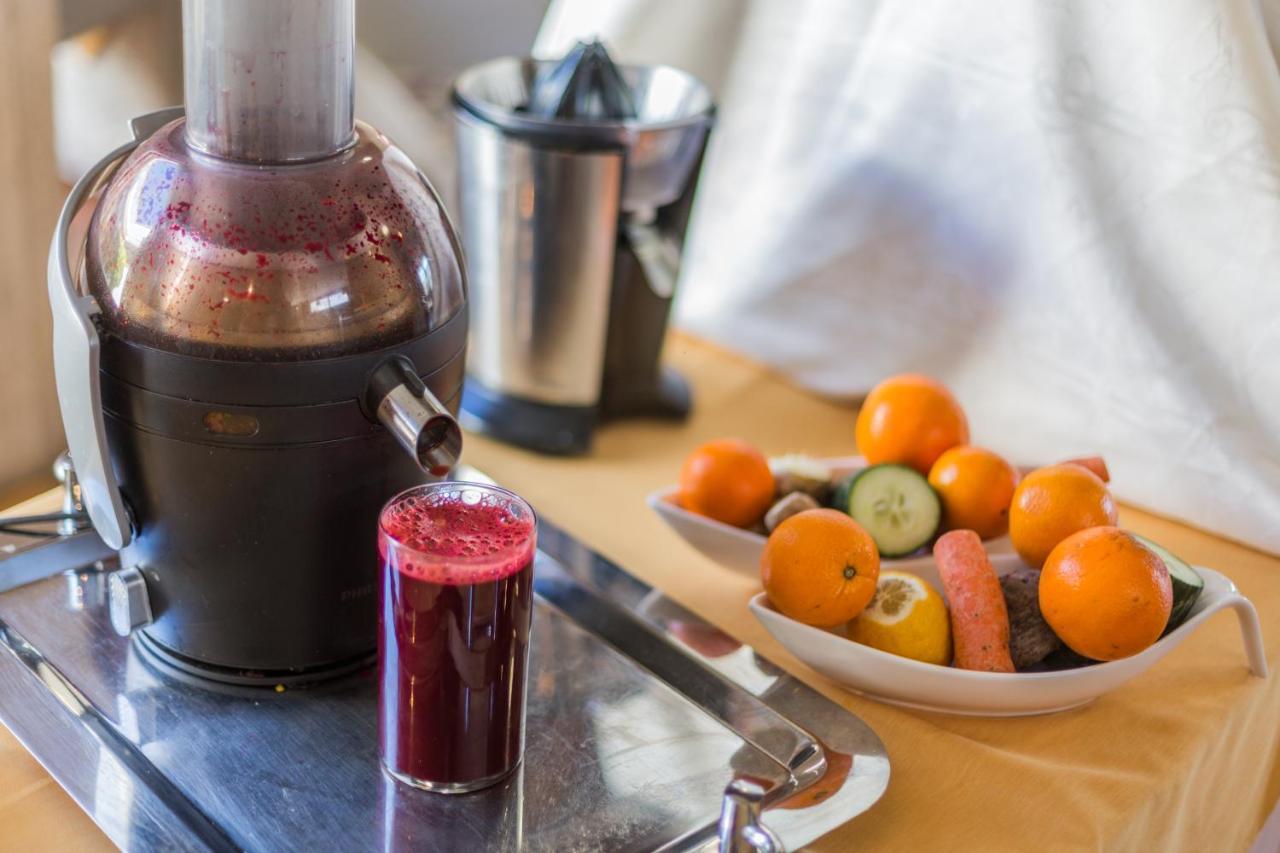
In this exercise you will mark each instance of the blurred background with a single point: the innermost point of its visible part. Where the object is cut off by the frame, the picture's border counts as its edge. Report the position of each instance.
(1069, 212)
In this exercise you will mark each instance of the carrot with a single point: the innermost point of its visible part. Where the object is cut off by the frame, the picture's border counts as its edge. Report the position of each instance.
(979, 618)
(1096, 464)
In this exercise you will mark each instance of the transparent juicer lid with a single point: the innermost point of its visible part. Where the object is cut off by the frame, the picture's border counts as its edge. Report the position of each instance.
(269, 225)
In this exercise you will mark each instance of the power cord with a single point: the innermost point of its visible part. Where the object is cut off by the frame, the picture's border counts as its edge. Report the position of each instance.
(20, 525)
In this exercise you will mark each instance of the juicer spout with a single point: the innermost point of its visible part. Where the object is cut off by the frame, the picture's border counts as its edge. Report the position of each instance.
(421, 424)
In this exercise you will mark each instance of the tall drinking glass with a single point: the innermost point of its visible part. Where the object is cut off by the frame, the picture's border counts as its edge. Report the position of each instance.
(455, 604)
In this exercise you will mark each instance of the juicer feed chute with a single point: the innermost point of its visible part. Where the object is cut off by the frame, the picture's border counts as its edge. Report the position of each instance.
(269, 82)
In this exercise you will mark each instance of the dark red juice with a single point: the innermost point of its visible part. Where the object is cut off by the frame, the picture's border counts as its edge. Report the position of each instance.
(455, 607)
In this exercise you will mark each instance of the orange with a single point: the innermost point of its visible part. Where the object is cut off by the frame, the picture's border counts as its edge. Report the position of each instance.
(1105, 594)
(1053, 502)
(976, 487)
(910, 419)
(728, 480)
(820, 567)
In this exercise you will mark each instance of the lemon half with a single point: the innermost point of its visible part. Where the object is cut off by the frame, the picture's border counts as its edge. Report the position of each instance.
(906, 617)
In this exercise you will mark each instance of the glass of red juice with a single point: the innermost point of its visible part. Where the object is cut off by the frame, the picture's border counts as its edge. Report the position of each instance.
(455, 602)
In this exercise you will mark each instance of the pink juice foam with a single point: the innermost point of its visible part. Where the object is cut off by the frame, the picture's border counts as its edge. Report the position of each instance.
(444, 539)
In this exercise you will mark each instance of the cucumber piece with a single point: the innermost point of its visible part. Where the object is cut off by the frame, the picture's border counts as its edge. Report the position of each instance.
(1187, 583)
(895, 504)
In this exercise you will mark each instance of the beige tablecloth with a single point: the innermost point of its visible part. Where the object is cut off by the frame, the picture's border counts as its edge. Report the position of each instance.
(1183, 758)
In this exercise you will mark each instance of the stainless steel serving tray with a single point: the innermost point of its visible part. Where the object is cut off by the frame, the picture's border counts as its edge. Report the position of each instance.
(640, 714)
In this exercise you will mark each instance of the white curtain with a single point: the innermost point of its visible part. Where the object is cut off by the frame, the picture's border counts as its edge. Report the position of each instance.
(1069, 211)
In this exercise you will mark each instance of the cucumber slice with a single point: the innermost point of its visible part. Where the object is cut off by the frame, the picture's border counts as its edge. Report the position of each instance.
(895, 504)
(1187, 583)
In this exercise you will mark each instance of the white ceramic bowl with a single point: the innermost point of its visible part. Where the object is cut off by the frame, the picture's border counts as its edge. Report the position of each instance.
(902, 681)
(740, 549)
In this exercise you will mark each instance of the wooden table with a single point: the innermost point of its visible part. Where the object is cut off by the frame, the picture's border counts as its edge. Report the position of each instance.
(1186, 756)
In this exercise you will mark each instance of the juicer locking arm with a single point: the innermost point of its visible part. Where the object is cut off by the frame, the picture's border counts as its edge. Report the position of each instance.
(406, 407)
(76, 351)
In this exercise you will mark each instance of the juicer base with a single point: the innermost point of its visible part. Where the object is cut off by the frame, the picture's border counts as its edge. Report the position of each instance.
(543, 427)
(664, 394)
(211, 676)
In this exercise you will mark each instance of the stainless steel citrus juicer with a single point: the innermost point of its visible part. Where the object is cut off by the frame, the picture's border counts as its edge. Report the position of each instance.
(575, 181)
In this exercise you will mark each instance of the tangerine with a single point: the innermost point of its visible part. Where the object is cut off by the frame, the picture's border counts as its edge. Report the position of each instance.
(1053, 502)
(820, 567)
(910, 419)
(1105, 594)
(976, 487)
(727, 480)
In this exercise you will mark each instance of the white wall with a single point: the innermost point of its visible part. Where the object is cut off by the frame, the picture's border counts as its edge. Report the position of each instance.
(426, 42)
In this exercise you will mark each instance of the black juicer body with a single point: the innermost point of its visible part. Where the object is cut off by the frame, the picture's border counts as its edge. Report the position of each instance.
(268, 477)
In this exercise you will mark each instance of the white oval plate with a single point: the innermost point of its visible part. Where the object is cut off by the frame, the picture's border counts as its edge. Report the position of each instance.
(740, 549)
(902, 681)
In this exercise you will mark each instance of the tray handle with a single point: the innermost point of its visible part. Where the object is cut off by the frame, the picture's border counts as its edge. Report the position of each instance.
(1250, 633)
